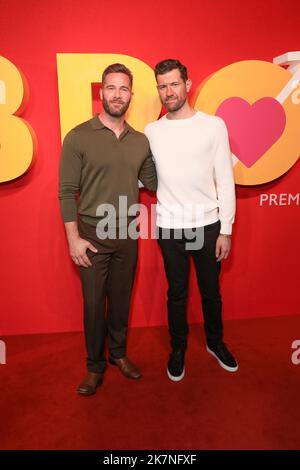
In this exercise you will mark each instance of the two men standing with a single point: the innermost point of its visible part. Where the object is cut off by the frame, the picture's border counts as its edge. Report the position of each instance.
(103, 159)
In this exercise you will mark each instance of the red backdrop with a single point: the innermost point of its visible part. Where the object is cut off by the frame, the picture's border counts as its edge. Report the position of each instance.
(40, 287)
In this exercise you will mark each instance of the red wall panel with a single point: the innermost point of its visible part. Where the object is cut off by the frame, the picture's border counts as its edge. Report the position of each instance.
(40, 288)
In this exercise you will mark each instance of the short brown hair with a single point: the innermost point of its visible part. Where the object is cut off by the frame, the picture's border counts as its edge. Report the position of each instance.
(171, 64)
(117, 68)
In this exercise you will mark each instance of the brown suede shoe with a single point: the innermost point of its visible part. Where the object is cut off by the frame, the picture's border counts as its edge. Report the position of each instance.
(89, 384)
(127, 368)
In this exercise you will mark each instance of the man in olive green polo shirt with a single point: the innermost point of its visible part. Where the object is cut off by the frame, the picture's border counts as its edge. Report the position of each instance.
(103, 159)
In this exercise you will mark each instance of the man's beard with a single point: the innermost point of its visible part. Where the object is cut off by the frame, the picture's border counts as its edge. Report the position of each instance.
(115, 112)
(175, 106)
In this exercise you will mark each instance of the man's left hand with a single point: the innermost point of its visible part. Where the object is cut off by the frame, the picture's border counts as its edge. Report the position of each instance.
(223, 246)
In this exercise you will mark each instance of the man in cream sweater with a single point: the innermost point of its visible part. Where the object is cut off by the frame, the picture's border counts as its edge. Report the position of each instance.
(195, 210)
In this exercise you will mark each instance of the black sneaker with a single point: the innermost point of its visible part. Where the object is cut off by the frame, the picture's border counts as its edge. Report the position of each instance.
(224, 357)
(175, 369)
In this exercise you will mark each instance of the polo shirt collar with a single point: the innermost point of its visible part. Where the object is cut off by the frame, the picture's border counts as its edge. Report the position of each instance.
(96, 123)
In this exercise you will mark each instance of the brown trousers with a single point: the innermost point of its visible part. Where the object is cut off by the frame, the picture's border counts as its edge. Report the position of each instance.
(108, 282)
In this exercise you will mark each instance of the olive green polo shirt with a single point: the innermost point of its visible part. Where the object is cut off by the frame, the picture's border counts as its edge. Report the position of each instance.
(101, 167)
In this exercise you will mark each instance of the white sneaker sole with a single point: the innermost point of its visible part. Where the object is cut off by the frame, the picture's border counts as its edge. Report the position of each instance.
(176, 379)
(228, 368)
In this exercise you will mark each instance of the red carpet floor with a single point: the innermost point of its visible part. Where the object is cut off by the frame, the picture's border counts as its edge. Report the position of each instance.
(254, 408)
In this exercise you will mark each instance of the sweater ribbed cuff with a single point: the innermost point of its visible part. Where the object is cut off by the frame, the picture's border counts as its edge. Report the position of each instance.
(226, 228)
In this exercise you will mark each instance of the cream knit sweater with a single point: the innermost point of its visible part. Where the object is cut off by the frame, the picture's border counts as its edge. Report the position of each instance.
(195, 172)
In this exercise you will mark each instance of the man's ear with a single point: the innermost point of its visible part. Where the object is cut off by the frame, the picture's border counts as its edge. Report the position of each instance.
(101, 93)
(188, 84)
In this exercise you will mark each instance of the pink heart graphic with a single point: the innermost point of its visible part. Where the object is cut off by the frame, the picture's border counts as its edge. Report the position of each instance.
(252, 129)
